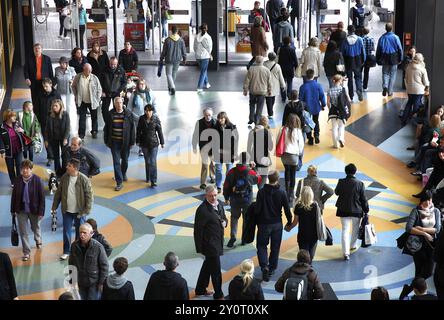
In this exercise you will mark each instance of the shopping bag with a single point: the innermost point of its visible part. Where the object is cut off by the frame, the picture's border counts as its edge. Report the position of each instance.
(370, 234)
(329, 240)
(320, 225)
(280, 146)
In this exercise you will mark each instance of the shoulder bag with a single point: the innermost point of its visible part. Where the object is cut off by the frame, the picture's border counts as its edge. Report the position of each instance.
(280, 146)
(14, 233)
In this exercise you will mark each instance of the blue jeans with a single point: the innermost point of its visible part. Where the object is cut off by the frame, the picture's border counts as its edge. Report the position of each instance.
(164, 22)
(89, 293)
(150, 156)
(203, 78)
(265, 232)
(389, 77)
(411, 106)
(68, 219)
(358, 80)
(218, 168)
(120, 161)
(13, 165)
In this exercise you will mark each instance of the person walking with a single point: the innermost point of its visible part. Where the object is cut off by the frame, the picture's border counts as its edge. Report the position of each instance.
(116, 286)
(295, 106)
(311, 59)
(28, 203)
(351, 206)
(89, 162)
(294, 151)
(270, 201)
(259, 148)
(98, 59)
(100, 237)
(273, 8)
(408, 57)
(333, 62)
(209, 224)
(128, 58)
(288, 61)
(173, 52)
(321, 190)
(57, 131)
(148, 137)
(258, 83)
(258, 39)
(244, 286)
(89, 257)
(238, 193)
(295, 17)
(338, 102)
(64, 76)
(370, 62)
(87, 93)
(360, 14)
(167, 284)
(339, 35)
(417, 84)
(62, 7)
(312, 94)
(203, 46)
(31, 128)
(282, 29)
(12, 144)
(389, 54)
(8, 289)
(76, 196)
(77, 60)
(119, 135)
(277, 83)
(354, 55)
(164, 12)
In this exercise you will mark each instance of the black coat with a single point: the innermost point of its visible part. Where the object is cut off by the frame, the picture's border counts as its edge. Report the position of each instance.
(352, 201)
(296, 107)
(128, 60)
(30, 69)
(236, 290)
(149, 133)
(113, 83)
(5, 140)
(338, 37)
(36, 193)
(78, 66)
(201, 126)
(269, 203)
(209, 229)
(43, 108)
(166, 285)
(52, 134)
(8, 290)
(98, 66)
(124, 293)
(288, 61)
(89, 163)
(228, 151)
(129, 132)
(106, 245)
(331, 60)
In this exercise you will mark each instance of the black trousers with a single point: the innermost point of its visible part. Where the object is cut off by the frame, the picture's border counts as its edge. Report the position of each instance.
(310, 247)
(316, 128)
(423, 260)
(366, 71)
(290, 175)
(106, 102)
(28, 152)
(438, 279)
(56, 146)
(270, 104)
(82, 119)
(210, 267)
(62, 29)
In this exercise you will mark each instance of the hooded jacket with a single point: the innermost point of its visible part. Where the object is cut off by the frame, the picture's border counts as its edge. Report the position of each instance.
(315, 289)
(128, 60)
(117, 287)
(353, 52)
(287, 60)
(230, 182)
(389, 50)
(203, 45)
(166, 285)
(269, 203)
(281, 30)
(173, 50)
(312, 94)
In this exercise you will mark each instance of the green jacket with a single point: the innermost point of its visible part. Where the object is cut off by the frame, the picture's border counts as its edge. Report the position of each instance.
(84, 194)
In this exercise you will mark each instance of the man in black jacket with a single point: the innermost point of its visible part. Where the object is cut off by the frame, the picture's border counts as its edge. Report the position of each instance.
(351, 206)
(113, 82)
(167, 284)
(89, 163)
(8, 290)
(269, 203)
(37, 68)
(202, 136)
(120, 135)
(89, 257)
(209, 224)
(128, 59)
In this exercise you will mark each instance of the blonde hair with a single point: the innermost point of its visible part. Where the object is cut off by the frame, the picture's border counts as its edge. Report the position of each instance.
(8, 114)
(247, 271)
(62, 108)
(313, 42)
(306, 199)
(312, 170)
(337, 78)
(419, 59)
(263, 121)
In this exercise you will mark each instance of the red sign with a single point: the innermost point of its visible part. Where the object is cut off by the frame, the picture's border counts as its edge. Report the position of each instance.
(135, 34)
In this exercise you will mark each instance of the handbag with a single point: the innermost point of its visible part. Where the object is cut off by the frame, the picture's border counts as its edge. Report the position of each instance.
(414, 243)
(329, 240)
(280, 146)
(26, 140)
(159, 69)
(370, 234)
(14, 233)
(320, 225)
(298, 72)
(370, 62)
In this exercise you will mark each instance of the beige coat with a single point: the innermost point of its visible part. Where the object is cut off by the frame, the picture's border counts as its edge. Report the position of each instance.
(95, 90)
(416, 79)
(311, 59)
(258, 80)
(277, 79)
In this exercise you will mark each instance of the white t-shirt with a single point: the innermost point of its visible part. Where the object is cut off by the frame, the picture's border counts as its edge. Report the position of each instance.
(72, 197)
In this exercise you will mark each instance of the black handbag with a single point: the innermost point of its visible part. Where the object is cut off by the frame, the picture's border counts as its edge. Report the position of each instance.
(159, 69)
(370, 62)
(329, 241)
(400, 242)
(14, 233)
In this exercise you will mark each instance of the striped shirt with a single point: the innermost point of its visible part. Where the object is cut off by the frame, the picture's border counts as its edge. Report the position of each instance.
(369, 45)
(117, 128)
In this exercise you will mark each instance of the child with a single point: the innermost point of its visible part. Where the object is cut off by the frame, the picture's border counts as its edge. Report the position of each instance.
(100, 237)
(339, 103)
(31, 126)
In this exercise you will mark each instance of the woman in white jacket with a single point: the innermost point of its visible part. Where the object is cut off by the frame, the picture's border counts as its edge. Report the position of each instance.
(294, 151)
(277, 82)
(203, 45)
(311, 59)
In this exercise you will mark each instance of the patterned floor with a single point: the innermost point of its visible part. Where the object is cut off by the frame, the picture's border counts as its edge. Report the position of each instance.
(143, 223)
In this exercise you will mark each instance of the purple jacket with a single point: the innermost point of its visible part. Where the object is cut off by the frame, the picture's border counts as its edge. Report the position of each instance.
(36, 196)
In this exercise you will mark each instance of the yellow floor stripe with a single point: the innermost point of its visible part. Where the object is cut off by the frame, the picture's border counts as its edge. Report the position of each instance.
(162, 209)
(153, 199)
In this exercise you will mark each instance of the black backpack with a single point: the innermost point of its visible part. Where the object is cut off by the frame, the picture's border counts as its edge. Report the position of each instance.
(296, 286)
(343, 106)
(242, 186)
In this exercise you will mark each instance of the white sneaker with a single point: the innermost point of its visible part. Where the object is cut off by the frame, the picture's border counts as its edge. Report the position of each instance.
(64, 256)
(199, 90)
(208, 86)
(66, 38)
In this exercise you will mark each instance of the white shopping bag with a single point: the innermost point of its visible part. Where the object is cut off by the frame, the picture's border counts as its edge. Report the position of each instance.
(370, 234)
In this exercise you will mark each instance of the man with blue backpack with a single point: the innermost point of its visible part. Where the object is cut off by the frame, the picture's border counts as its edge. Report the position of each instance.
(360, 14)
(238, 192)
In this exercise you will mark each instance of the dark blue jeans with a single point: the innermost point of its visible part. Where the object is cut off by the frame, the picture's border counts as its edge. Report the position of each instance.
(203, 78)
(68, 219)
(89, 293)
(150, 156)
(120, 160)
(265, 232)
(13, 165)
(256, 106)
(358, 80)
(411, 106)
(289, 82)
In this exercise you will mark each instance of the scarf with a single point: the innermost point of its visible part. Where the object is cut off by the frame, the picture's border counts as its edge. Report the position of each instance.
(26, 200)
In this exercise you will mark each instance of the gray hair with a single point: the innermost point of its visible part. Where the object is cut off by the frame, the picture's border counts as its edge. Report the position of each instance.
(88, 226)
(171, 261)
(208, 109)
(209, 188)
(117, 98)
(271, 56)
(87, 65)
(78, 139)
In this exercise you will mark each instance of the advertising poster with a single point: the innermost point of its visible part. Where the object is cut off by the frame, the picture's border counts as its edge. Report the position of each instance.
(243, 39)
(135, 34)
(184, 32)
(97, 31)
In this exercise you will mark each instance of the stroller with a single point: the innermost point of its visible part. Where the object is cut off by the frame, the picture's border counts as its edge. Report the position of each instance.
(131, 83)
